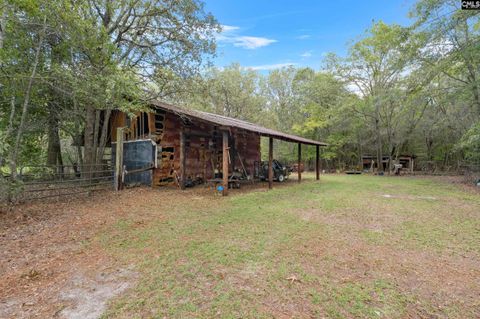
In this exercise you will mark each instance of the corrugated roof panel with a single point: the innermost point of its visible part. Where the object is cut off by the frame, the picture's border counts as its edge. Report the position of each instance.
(232, 122)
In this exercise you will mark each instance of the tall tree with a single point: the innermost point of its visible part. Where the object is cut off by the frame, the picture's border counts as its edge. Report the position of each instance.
(153, 39)
(324, 101)
(373, 67)
(280, 89)
(231, 91)
(453, 42)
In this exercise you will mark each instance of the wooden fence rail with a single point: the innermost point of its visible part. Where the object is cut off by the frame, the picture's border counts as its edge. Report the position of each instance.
(38, 182)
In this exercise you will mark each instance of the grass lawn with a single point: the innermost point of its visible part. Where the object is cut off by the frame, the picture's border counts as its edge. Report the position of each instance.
(347, 247)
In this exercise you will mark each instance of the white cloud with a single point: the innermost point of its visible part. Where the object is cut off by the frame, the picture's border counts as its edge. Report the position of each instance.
(229, 28)
(252, 42)
(303, 36)
(230, 34)
(269, 67)
(306, 54)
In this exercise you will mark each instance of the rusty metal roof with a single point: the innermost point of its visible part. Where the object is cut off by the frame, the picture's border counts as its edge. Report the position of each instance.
(232, 122)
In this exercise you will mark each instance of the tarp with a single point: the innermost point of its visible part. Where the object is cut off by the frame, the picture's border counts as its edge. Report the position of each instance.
(138, 154)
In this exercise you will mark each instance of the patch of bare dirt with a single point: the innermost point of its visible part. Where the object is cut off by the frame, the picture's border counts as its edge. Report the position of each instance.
(87, 298)
(381, 217)
(409, 197)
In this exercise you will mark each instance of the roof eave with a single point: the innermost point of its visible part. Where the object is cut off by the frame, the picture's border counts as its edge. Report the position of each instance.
(280, 135)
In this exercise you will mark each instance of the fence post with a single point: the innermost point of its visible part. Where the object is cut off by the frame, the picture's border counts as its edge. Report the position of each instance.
(119, 160)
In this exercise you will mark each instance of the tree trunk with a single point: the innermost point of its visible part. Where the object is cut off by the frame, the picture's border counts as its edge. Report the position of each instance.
(54, 151)
(96, 128)
(77, 135)
(26, 103)
(89, 156)
(429, 144)
(379, 145)
(95, 143)
(392, 159)
(3, 20)
(476, 94)
(378, 137)
(104, 135)
(9, 130)
(360, 152)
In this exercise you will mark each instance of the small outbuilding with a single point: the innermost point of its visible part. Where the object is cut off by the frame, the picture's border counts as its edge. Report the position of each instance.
(406, 160)
(195, 146)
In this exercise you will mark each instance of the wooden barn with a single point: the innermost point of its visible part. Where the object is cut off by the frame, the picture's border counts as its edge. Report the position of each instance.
(196, 147)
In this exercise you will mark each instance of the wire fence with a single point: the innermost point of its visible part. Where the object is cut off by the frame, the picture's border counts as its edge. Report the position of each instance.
(38, 182)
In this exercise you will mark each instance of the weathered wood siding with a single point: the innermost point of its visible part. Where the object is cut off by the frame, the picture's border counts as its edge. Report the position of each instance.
(203, 147)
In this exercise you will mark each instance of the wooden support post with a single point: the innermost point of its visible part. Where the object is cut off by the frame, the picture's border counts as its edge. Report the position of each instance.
(232, 152)
(317, 162)
(119, 160)
(182, 159)
(270, 162)
(299, 162)
(225, 163)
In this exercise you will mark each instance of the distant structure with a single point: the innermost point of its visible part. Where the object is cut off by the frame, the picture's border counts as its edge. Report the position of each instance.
(407, 161)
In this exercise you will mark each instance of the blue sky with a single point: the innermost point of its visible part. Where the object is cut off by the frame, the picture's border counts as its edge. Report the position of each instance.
(265, 34)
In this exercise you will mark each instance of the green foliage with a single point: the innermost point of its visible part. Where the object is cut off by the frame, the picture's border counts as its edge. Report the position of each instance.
(231, 91)
(9, 190)
(324, 99)
(280, 88)
(470, 143)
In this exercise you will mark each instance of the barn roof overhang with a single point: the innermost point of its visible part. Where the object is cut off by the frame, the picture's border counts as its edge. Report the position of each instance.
(230, 122)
